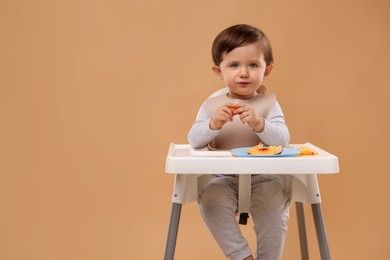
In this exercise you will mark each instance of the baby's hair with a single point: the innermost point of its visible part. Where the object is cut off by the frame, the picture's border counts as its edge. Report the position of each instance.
(237, 36)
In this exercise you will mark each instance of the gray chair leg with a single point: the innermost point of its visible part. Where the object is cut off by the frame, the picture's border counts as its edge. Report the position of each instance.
(320, 230)
(172, 232)
(302, 230)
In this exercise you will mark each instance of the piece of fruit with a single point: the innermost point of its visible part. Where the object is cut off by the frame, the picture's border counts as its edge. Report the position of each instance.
(306, 151)
(265, 150)
(232, 108)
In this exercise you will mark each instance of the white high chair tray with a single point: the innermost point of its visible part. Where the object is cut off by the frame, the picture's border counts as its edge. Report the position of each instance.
(182, 159)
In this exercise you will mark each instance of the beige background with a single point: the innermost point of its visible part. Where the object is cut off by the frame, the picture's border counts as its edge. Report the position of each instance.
(93, 92)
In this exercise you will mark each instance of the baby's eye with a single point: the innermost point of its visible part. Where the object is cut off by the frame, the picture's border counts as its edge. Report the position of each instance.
(253, 65)
(234, 65)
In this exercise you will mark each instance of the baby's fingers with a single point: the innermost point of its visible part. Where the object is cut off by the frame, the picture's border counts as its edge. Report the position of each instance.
(226, 111)
(244, 116)
(224, 116)
(240, 108)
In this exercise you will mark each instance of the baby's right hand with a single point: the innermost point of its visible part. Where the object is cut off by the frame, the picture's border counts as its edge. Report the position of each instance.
(221, 116)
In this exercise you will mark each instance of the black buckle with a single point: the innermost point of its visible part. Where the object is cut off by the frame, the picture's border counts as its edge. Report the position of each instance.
(243, 218)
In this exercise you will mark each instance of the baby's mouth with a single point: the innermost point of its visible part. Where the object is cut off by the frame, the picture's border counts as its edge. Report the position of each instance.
(243, 83)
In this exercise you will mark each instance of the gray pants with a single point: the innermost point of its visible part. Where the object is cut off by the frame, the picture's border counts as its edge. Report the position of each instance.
(270, 205)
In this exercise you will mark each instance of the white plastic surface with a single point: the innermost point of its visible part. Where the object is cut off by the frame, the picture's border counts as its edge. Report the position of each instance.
(181, 160)
(206, 153)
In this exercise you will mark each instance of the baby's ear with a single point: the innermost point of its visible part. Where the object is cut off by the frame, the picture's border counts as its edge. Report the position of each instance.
(217, 71)
(262, 89)
(268, 70)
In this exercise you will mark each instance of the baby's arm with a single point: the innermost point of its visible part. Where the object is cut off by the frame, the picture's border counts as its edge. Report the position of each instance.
(200, 133)
(275, 130)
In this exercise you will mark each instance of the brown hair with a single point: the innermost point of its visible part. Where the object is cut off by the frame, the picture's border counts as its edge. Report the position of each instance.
(237, 36)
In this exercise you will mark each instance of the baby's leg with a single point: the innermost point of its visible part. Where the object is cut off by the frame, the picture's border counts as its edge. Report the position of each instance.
(270, 207)
(218, 206)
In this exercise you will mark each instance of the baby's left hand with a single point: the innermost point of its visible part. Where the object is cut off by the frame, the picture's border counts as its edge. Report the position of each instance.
(249, 116)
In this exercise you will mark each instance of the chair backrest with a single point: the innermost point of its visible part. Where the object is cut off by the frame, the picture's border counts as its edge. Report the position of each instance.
(220, 92)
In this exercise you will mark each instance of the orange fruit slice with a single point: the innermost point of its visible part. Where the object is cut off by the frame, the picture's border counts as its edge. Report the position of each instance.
(306, 151)
(265, 150)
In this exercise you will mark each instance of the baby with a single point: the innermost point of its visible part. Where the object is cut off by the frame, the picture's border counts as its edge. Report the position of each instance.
(244, 116)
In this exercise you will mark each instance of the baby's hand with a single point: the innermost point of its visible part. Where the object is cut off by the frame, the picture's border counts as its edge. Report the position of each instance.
(249, 116)
(222, 115)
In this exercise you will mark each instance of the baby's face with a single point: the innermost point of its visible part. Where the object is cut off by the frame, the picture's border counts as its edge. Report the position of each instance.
(243, 70)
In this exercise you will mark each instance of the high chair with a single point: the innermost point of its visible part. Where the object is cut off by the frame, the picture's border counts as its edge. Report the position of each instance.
(194, 168)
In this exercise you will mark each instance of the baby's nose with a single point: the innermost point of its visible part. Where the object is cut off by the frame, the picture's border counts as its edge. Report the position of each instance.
(243, 73)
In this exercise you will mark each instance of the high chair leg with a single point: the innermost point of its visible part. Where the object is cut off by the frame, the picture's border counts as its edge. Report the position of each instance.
(320, 230)
(172, 232)
(302, 230)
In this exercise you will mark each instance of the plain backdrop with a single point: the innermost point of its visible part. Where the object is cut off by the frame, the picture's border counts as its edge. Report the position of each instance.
(93, 92)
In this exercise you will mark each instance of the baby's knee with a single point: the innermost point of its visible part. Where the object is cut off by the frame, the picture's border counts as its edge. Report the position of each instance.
(272, 221)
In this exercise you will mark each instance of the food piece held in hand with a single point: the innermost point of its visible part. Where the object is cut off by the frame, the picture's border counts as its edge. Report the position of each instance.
(265, 150)
(232, 108)
(306, 151)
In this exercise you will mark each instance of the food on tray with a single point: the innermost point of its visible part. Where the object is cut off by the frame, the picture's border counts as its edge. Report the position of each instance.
(265, 150)
(306, 151)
